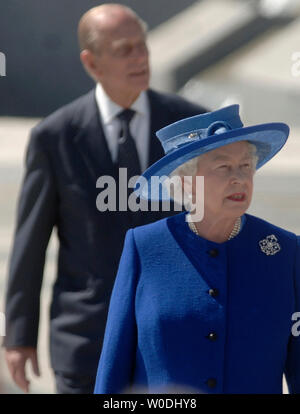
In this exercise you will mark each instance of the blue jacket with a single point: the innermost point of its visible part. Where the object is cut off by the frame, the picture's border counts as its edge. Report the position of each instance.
(202, 316)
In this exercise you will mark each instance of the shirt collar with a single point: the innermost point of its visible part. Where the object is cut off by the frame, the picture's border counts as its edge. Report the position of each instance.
(140, 104)
(109, 109)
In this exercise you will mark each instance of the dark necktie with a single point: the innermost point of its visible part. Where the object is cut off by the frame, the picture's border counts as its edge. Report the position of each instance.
(127, 152)
(128, 158)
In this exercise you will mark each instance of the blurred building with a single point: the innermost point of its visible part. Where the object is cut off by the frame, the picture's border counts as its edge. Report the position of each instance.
(223, 51)
(39, 40)
(263, 76)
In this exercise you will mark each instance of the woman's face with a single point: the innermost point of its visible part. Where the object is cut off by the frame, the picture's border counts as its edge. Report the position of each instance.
(228, 180)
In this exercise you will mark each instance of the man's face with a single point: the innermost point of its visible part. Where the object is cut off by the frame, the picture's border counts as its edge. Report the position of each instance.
(122, 64)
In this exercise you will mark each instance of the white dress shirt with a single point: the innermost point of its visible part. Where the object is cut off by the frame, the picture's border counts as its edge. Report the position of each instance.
(139, 126)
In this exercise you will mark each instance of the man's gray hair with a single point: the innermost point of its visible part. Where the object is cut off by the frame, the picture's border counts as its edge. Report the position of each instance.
(89, 35)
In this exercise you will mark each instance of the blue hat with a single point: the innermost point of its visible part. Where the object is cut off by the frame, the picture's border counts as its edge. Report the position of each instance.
(191, 137)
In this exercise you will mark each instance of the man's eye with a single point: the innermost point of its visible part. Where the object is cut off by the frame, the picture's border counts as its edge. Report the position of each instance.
(124, 50)
(142, 46)
(246, 165)
(222, 167)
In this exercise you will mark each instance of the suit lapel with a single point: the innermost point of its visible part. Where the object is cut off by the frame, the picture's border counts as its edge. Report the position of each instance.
(158, 117)
(91, 142)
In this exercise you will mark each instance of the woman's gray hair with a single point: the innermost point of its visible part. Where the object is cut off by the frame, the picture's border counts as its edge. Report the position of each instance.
(189, 169)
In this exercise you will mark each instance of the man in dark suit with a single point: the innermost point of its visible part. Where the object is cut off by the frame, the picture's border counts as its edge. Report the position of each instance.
(66, 154)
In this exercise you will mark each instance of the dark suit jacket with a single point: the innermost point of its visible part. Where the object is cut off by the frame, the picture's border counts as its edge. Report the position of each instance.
(67, 152)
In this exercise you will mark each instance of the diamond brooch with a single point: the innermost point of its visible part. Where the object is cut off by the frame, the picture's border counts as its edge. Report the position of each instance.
(270, 245)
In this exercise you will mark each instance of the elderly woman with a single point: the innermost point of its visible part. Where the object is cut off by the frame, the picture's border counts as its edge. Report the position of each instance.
(206, 306)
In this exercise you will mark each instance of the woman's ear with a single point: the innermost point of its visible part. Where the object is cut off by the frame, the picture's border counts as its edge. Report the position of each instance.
(193, 193)
(187, 185)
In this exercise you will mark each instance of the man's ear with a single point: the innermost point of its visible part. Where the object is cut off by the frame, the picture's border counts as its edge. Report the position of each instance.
(88, 60)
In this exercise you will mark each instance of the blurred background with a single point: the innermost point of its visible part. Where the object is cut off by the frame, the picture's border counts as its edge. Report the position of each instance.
(214, 52)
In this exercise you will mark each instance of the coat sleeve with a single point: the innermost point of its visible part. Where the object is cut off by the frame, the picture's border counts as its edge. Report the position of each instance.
(36, 215)
(116, 364)
(292, 370)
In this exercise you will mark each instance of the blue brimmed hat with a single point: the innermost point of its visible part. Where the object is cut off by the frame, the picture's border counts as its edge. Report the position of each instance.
(191, 137)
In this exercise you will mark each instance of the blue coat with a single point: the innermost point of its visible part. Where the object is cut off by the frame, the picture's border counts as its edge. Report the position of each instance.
(205, 317)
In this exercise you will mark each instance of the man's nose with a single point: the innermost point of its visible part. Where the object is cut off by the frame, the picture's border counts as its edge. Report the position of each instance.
(140, 51)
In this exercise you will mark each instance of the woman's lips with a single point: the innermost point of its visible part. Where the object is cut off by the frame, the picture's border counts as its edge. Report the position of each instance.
(238, 197)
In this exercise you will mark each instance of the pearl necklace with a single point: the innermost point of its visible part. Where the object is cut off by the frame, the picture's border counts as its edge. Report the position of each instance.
(235, 231)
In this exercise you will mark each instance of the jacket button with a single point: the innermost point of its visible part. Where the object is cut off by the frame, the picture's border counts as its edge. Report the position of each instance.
(212, 336)
(213, 292)
(213, 252)
(211, 382)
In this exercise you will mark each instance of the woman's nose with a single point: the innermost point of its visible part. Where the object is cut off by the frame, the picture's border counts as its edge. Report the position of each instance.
(237, 176)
